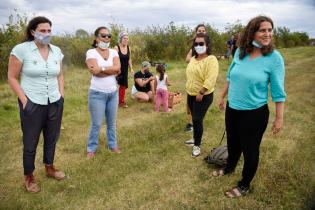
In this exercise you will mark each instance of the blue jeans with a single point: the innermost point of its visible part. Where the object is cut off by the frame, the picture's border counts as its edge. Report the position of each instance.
(101, 104)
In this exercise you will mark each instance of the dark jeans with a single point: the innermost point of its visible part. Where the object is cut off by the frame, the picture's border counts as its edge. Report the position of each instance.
(245, 129)
(198, 112)
(34, 119)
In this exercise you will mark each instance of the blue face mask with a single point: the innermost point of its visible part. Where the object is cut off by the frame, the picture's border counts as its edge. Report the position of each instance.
(256, 44)
(42, 38)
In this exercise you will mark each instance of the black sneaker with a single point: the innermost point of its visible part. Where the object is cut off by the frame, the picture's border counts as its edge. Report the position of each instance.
(189, 127)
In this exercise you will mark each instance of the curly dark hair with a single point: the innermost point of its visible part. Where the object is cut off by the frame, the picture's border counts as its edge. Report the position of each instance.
(32, 25)
(207, 41)
(96, 32)
(248, 35)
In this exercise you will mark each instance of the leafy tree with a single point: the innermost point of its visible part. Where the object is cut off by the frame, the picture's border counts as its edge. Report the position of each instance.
(10, 35)
(81, 33)
(157, 43)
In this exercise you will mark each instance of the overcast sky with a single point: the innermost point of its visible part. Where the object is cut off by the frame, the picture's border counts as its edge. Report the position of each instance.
(70, 15)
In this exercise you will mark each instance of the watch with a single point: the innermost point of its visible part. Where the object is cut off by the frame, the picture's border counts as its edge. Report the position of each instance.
(103, 68)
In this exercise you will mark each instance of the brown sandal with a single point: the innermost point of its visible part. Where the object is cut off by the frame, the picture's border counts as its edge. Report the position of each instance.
(237, 192)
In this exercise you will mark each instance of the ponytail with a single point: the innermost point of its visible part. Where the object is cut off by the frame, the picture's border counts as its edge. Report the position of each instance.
(161, 69)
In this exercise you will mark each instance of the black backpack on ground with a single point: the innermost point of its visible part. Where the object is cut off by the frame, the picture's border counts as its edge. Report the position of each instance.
(218, 155)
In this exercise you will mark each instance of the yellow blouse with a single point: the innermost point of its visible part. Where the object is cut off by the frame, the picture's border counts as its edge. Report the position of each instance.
(200, 74)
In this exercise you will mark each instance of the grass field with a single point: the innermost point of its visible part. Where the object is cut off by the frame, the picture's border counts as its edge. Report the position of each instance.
(155, 170)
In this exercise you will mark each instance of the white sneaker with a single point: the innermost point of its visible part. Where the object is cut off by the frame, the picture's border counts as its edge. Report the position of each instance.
(195, 151)
(190, 142)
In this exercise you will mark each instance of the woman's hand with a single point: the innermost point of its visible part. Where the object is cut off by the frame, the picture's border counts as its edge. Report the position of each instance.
(24, 102)
(277, 125)
(222, 104)
(199, 97)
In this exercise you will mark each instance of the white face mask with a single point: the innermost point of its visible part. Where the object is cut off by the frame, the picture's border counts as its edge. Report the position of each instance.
(200, 49)
(256, 44)
(42, 38)
(103, 45)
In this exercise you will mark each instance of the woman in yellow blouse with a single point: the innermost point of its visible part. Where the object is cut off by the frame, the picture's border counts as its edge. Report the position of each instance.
(201, 73)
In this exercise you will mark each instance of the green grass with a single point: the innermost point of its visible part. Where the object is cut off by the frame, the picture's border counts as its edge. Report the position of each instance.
(155, 170)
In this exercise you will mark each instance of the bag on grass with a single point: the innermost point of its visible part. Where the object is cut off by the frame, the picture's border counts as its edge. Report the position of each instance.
(218, 155)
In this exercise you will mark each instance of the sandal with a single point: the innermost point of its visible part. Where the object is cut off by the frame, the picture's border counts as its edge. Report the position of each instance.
(90, 155)
(218, 173)
(237, 192)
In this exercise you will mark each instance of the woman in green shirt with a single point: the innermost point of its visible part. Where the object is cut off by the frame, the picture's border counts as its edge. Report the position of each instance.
(40, 95)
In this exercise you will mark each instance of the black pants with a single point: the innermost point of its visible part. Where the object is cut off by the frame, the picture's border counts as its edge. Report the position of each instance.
(245, 130)
(198, 112)
(34, 119)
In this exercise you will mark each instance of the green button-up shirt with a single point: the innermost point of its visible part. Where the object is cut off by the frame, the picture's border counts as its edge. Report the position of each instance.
(39, 77)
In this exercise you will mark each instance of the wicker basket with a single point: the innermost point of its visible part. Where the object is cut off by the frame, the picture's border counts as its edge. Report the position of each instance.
(174, 98)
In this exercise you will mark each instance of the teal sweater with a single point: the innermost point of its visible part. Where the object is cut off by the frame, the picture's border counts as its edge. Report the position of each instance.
(250, 80)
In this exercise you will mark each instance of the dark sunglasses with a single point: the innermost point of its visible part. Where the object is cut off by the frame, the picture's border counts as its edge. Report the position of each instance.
(105, 35)
(198, 43)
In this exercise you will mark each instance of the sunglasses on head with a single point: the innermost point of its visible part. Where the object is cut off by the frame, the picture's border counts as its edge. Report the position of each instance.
(105, 35)
(198, 43)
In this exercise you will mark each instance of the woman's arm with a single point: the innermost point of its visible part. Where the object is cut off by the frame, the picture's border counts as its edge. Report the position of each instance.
(201, 93)
(98, 71)
(114, 69)
(61, 82)
(93, 67)
(189, 56)
(278, 123)
(14, 70)
(222, 104)
(130, 63)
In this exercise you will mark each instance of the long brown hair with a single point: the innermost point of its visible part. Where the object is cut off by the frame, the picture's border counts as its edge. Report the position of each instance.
(161, 69)
(248, 35)
(32, 25)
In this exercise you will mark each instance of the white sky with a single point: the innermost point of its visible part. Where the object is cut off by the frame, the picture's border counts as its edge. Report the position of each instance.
(70, 15)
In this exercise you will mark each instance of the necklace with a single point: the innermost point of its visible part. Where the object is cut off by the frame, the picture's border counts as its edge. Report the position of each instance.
(103, 53)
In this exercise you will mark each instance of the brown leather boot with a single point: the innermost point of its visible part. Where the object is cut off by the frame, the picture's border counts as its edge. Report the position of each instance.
(54, 173)
(30, 184)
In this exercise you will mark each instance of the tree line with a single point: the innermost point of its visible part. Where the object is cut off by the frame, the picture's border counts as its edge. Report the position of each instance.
(157, 43)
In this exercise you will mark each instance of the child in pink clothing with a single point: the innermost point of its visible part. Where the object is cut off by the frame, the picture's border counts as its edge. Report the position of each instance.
(161, 83)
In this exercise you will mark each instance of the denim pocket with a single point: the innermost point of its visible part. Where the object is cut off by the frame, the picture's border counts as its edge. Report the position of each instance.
(95, 95)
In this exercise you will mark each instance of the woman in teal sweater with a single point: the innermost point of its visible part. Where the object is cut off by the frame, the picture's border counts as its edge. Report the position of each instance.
(256, 67)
